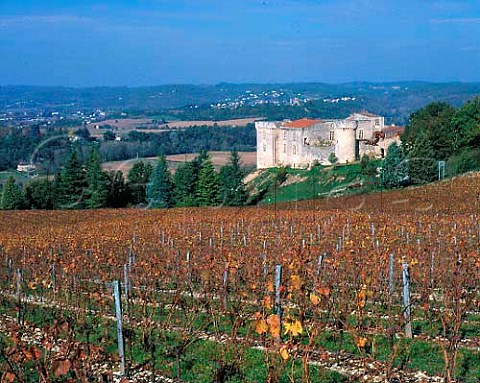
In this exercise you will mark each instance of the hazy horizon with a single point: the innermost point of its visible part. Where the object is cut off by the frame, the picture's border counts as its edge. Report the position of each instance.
(185, 42)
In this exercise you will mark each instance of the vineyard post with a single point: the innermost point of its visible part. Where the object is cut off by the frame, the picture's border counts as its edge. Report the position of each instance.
(320, 264)
(125, 285)
(225, 285)
(54, 280)
(10, 271)
(278, 306)
(118, 312)
(264, 264)
(390, 279)
(432, 262)
(189, 275)
(406, 300)
(390, 298)
(19, 295)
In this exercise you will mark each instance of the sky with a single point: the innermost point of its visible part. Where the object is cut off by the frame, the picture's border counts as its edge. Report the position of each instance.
(153, 42)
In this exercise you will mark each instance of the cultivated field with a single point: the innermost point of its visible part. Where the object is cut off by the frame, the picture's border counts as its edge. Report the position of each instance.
(124, 125)
(219, 159)
(381, 288)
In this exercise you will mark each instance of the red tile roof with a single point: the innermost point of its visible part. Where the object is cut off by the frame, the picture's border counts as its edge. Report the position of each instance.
(302, 123)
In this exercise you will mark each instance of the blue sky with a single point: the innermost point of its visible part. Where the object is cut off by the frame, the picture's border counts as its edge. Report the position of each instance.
(115, 42)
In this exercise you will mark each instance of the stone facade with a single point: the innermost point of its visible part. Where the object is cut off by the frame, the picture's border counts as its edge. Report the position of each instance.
(302, 142)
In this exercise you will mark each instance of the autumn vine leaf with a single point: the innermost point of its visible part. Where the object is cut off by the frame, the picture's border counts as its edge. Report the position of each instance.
(293, 328)
(274, 325)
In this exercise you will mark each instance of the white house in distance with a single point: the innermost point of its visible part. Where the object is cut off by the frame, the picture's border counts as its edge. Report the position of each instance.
(302, 142)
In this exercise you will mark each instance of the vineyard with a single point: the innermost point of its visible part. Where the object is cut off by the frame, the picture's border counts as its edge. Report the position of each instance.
(377, 288)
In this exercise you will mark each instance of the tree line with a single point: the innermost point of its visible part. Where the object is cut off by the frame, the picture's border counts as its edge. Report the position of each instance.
(437, 132)
(86, 186)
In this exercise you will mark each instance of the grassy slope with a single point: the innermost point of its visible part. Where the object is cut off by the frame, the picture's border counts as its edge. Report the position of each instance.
(318, 182)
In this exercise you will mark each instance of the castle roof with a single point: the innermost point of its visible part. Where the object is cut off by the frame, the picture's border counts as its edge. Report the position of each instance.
(302, 123)
(392, 131)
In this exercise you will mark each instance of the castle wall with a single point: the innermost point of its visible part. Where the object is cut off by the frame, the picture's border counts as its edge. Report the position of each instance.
(281, 145)
(345, 142)
(266, 144)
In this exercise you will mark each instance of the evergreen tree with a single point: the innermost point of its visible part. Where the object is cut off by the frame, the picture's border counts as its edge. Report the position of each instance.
(40, 194)
(117, 190)
(422, 166)
(71, 184)
(96, 192)
(160, 188)
(12, 196)
(186, 180)
(395, 171)
(208, 188)
(233, 192)
(138, 178)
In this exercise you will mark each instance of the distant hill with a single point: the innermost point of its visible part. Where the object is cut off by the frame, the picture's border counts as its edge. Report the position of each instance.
(395, 100)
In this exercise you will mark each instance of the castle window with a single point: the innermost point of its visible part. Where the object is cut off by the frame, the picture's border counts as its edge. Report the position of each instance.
(285, 135)
(360, 134)
(294, 148)
(264, 147)
(377, 121)
(284, 148)
(332, 135)
(264, 134)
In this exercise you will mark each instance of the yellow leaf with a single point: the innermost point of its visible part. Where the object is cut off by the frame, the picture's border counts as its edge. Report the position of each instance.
(261, 326)
(267, 302)
(294, 328)
(314, 299)
(274, 325)
(362, 342)
(296, 282)
(284, 353)
(270, 287)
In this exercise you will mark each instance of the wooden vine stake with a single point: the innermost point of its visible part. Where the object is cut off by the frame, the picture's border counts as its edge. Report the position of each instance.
(406, 300)
(118, 312)
(278, 306)
(19, 295)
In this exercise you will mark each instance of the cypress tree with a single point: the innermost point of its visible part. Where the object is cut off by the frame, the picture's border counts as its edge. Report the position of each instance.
(422, 166)
(233, 192)
(118, 195)
(71, 184)
(160, 188)
(12, 195)
(96, 192)
(395, 172)
(186, 181)
(40, 194)
(138, 178)
(208, 189)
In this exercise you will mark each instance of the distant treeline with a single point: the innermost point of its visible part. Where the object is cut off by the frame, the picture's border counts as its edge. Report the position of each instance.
(48, 149)
(190, 140)
(84, 185)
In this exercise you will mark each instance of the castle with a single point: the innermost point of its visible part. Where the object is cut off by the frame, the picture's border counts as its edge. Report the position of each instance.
(303, 142)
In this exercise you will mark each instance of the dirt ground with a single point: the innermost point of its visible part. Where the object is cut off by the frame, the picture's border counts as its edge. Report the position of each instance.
(124, 125)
